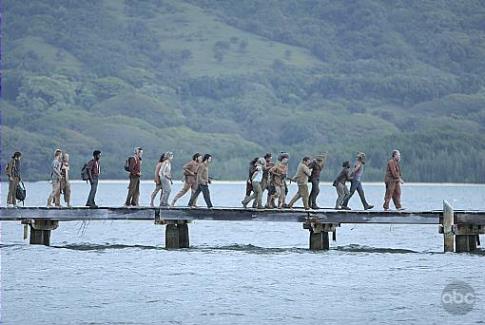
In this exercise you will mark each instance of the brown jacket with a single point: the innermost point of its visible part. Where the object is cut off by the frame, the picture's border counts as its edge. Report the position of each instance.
(203, 174)
(278, 173)
(190, 171)
(302, 174)
(393, 171)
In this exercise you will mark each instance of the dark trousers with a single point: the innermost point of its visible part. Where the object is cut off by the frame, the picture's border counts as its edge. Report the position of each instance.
(205, 191)
(312, 200)
(12, 190)
(92, 192)
(133, 191)
(356, 186)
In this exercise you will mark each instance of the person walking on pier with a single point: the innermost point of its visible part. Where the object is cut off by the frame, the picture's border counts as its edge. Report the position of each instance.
(301, 179)
(278, 180)
(256, 179)
(55, 180)
(316, 167)
(166, 178)
(190, 177)
(249, 183)
(339, 183)
(157, 180)
(393, 181)
(356, 184)
(203, 181)
(265, 183)
(93, 170)
(134, 168)
(65, 186)
(13, 173)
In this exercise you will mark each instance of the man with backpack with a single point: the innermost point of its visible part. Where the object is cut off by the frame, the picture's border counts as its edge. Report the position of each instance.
(13, 173)
(133, 166)
(91, 172)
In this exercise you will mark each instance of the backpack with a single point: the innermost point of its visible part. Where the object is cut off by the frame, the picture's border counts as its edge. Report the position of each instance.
(127, 164)
(20, 192)
(84, 172)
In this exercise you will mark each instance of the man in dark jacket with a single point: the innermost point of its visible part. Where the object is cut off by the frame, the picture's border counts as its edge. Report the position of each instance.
(135, 174)
(316, 166)
(13, 173)
(94, 170)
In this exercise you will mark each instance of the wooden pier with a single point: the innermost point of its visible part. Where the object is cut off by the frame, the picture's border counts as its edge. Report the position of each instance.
(460, 228)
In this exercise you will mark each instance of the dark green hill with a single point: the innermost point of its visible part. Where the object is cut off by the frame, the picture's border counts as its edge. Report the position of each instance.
(239, 78)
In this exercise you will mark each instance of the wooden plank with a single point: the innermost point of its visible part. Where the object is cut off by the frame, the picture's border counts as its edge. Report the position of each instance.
(226, 214)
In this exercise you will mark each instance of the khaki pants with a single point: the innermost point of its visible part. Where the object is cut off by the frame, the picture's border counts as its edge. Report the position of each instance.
(301, 194)
(188, 185)
(12, 189)
(158, 188)
(55, 193)
(257, 196)
(280, 194)
(342, 192)
(393, 190)
(133, 191)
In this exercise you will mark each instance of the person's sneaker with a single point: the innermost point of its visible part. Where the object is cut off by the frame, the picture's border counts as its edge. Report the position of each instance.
(10, 205)
(400, 209)
(345, 208)
(370, 206)
(245, 205)
(386, 209)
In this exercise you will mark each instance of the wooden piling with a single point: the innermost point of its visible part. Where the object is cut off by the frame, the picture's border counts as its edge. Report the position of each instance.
(319, 233)
(172, 236)
(183, 235)
(319, 241)
(448, 221)
(40, 231)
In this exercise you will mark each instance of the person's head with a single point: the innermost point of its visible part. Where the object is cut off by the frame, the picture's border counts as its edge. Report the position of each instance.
(58, 153)
(396, 155)
(320, 159)
(96, 154)
(17, 155)
(268, 156)
(65, 157)
(138, 151)
(162, 157)
(306, 160)
(261, 162)
(169, 155)
(361, 157)
(196, 157)
(346, 164)
(254, 161)
(207, 158)
(283, 157)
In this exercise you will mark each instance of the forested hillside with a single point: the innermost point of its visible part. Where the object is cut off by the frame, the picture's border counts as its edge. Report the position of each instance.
(240, 78)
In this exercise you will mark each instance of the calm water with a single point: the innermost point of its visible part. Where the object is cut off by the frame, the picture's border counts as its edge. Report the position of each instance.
(237, 272)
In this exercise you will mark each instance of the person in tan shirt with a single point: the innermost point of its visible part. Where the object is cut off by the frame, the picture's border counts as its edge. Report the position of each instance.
(65, 185)
(190, 175)
(157, 180)
(278, 175)
(393, 181)
(301, 179)
(203, 181)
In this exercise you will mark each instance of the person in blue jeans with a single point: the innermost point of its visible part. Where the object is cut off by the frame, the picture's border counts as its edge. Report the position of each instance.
(94, 170)
(356, 184)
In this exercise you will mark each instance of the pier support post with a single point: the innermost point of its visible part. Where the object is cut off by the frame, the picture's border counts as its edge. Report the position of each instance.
(319, 238)
(448, 221)
(40, 231)
(177, 234)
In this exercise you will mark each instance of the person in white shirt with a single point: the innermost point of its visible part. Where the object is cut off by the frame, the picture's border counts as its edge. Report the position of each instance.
(256, 180)
(166, 178)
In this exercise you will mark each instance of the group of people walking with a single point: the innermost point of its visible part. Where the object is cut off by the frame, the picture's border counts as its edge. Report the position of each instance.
(263, 175)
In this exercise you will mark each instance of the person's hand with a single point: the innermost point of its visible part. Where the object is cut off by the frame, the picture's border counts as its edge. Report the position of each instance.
(401, 181)
(11, 178)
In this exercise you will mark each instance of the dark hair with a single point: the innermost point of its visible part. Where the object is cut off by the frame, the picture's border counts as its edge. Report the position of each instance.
(162, 157)
(96, 152)
(16, 154)
(346, 164)
(268, 155)
(254, 161)
(196, 156)
(306, 158)
(206, 157)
